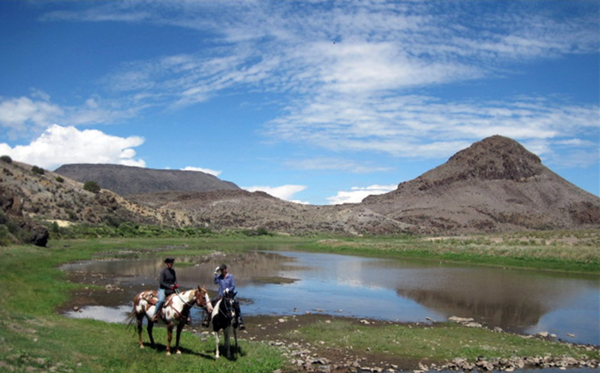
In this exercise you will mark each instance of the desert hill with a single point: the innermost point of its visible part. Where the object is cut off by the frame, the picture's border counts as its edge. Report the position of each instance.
(494, 185)
(128, 180)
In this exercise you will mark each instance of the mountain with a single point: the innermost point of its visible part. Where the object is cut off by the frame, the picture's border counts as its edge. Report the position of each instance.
(127, 180)
(494, 185)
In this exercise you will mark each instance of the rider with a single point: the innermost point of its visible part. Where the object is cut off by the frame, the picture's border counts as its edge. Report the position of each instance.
(226, 283)
(167, 285)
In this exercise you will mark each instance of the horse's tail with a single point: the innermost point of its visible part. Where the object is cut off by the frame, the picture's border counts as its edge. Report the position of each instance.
(131, 316)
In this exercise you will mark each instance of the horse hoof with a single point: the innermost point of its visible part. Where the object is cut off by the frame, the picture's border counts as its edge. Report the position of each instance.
(178, 352)
(141, 346)
(168, 354)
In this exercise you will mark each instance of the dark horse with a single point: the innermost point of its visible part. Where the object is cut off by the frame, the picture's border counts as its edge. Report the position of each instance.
(175, 312)
(224, 318)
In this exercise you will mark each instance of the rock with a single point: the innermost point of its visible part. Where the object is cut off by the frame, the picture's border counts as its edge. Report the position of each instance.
(39, 236)
(543, 334)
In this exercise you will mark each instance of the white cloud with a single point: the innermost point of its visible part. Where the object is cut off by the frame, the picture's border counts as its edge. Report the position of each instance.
(19, 114)
(357, 194)
(420, 126)
(205, 170)
(62, 145)
(285, 192)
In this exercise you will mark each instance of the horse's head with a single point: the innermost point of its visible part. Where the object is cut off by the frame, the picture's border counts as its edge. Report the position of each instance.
(202, 299)
(227, 305)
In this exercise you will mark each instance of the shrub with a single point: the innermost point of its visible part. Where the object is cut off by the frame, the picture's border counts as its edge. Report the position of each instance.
(37, 170)
(91, 186)
(60, 179)
(6, 158)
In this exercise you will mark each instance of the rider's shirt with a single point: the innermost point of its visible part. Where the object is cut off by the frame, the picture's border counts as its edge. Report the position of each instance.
(167, 279)
(225, 283)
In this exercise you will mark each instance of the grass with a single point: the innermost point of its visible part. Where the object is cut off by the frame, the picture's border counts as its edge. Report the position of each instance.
(577, 252)
(33, 337)
(438, 343)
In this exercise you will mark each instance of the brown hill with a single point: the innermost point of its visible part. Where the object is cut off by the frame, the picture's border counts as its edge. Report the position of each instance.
(494, 185)
(33, 197)
(128, 180)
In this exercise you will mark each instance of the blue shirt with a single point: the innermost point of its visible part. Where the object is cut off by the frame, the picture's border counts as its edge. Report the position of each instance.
(225, 283)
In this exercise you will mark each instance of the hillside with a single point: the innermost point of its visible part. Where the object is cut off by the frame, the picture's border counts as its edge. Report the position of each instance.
(32, 200)
(128, 180)
(494, 185)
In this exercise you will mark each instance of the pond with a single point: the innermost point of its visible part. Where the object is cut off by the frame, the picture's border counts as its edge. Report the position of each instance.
(286, 282)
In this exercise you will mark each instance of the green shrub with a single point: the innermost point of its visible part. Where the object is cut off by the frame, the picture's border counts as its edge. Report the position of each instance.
(91, 186)
(60, 179)
(6, 158)
(37, 170)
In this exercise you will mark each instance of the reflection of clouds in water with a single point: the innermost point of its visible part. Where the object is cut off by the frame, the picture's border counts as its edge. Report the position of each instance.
(361, 287)
(108, 314)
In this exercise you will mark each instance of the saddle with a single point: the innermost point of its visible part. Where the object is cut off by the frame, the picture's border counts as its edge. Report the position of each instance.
(151, 296)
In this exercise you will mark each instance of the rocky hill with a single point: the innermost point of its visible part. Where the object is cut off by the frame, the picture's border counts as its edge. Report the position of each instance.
(495, 185)
(127, 180)
(31, 197)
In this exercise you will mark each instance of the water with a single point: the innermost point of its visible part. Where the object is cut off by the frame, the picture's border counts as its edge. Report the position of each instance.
(291, 282)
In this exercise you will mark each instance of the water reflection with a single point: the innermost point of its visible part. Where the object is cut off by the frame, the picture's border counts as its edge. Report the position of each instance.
(290, 282)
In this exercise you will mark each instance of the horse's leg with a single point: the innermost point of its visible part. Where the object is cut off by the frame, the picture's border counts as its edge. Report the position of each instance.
(140, 321)
(235, 337)
(179, 327)
(216, 344)
(169, 338)
(226, 335)
(149, 328)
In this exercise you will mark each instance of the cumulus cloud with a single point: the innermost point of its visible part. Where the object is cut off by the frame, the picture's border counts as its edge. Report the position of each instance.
(285, 192)
(62, 145)
(205, 170)
(19, 114)
(357, 194)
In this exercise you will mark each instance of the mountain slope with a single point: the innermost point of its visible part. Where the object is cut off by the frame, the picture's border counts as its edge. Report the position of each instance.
(494, 185)
(127, 180)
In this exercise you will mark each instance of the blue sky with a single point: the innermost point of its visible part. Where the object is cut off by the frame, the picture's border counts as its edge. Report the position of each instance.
(314, 102)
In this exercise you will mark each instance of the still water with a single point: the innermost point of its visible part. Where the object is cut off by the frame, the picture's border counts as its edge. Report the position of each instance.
(285, 282)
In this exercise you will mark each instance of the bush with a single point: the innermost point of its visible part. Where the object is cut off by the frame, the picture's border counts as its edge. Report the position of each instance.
(60, 179)
(37, 170)
(91, 186)
(6, 158)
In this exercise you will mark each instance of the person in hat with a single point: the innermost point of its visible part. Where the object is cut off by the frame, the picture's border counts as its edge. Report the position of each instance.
(167, 281)
(226, 283)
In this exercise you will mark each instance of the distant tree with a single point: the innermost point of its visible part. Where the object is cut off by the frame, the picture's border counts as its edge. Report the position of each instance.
(37, 170)
(91, 186)
(6, 158)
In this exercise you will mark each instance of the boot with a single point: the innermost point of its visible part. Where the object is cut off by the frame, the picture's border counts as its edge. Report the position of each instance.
(241, 323)
(206, 321)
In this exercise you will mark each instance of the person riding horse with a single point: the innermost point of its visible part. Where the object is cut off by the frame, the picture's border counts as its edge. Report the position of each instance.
(167, 285)
(226, 283)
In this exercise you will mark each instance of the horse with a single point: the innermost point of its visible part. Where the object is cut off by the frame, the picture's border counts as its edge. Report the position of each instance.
(174, 312)
(224, 318)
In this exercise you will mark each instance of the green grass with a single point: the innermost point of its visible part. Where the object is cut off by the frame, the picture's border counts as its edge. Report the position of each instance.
(34, 337)
(437, 343)
(577, 252)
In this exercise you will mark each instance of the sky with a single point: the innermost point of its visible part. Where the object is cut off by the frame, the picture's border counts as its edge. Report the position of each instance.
(320, 102)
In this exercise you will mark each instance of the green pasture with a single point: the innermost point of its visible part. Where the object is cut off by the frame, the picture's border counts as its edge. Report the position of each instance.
(34, 337)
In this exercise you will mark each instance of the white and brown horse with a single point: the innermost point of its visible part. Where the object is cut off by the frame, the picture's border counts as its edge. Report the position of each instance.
(224, 318)
(174, 313)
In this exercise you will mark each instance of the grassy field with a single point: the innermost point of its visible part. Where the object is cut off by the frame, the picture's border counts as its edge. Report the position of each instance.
(34, 337)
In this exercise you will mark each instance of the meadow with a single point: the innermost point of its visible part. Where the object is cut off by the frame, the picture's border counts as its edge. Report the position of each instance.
(36, 337)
